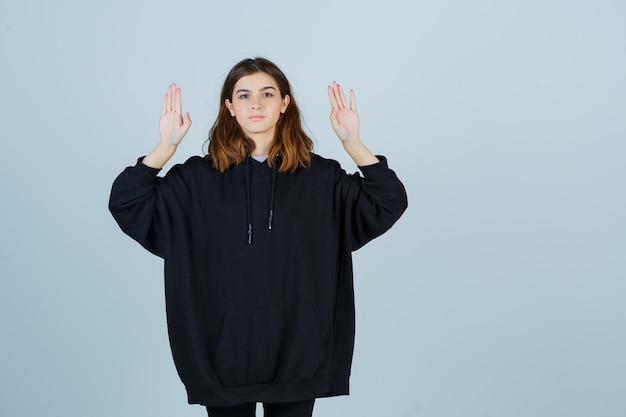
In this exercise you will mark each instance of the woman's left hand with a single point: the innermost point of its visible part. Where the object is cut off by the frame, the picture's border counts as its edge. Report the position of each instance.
(343, 117)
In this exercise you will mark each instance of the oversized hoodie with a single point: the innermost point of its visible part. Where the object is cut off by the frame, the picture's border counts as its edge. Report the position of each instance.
(258, 270)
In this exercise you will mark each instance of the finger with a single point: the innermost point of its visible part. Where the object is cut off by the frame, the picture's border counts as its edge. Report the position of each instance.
(178, 105)
(164, 106)
(342, 96)
(169, 99)
(187, 120)
(337, 95)
(331, 96)
(334, 121)
(352, 101)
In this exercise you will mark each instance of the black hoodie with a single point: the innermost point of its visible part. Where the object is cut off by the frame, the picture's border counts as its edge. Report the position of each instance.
(267, 316)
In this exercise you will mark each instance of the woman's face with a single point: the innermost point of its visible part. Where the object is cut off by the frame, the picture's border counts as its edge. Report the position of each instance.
(257, 105)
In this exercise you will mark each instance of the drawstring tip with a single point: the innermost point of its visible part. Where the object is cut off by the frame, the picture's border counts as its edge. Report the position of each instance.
(249, 234)
(269, 224)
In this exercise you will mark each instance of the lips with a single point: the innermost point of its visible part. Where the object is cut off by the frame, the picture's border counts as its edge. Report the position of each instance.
(256, 117)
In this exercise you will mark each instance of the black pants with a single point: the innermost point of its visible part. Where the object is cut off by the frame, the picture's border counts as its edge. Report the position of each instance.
(296, 409)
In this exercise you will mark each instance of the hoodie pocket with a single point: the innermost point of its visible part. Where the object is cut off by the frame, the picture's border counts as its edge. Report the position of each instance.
(279, 344)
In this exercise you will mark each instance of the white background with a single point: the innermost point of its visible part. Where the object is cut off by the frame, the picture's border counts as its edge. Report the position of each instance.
(501, 292)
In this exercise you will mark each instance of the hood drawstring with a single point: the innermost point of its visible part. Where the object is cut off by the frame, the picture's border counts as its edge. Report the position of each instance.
(270, 220)
(271, 217)
(248, 199)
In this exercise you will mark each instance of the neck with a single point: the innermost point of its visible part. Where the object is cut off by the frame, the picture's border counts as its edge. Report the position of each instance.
(262, 144)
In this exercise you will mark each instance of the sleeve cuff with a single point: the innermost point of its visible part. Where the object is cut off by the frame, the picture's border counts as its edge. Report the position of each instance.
(377, 172)
(143, 174)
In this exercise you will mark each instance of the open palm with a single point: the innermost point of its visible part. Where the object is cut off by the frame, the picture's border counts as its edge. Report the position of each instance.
(172, 125)
(343, 117)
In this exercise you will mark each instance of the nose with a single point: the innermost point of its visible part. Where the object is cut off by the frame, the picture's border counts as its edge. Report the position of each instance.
(255, 103)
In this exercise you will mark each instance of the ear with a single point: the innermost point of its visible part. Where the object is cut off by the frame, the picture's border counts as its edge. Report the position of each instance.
(230, 107)
(286, 102)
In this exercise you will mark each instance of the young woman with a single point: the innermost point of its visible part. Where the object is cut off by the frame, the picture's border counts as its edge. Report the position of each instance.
(257, 238)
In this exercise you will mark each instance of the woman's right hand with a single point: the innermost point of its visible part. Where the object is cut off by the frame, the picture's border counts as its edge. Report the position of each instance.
(173, 126)
(172, 129)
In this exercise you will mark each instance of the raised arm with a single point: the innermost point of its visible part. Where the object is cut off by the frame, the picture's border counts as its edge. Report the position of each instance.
(172, 129)
(345, 122)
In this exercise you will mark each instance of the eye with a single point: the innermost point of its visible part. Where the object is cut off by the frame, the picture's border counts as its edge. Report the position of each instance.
(243, 96)
(268, 95)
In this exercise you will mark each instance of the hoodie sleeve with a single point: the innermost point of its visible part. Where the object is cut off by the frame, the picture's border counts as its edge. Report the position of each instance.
(145, 205)
(372, 203)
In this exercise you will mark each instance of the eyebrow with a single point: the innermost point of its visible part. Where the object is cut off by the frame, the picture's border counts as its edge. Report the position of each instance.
(243, 90)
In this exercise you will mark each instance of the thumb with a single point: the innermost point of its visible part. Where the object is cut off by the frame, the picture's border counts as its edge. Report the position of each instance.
(334, 115)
